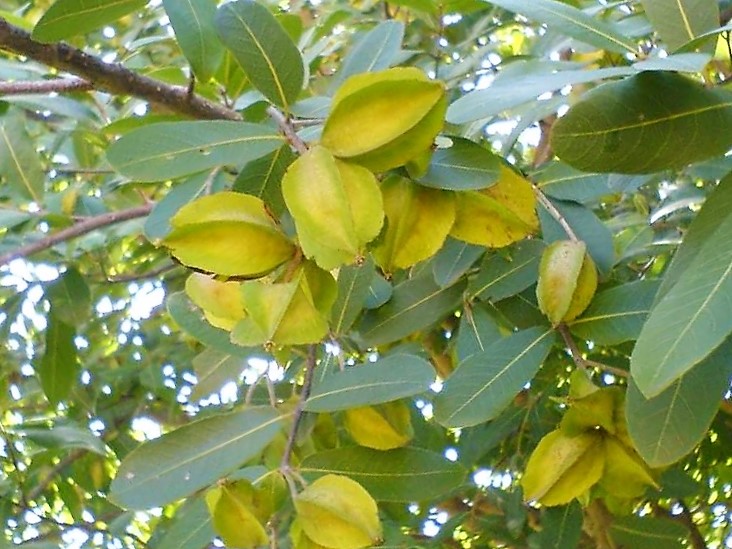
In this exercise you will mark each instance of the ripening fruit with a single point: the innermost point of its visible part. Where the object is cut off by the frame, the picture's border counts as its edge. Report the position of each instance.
(383, 427)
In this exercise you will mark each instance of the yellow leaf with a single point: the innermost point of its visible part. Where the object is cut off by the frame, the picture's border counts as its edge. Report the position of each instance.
(382, 427)
(233, 517)
(300, 540)
(418, 221)
(336, 512)
(499, 215)
(220, 301)
(626, 475)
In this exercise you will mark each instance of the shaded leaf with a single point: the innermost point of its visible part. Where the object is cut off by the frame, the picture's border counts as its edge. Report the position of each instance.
(502, 274)
(463, 166)
(354, 282)
(262, 178)
(561, 181)
(70, 297)
(478, 330)
(19, 163)
(453, 260)
(190, 528)
(157, 224)
(647, 533)
(67, 18)
(59, 365)
(680, 21)
(561, 527)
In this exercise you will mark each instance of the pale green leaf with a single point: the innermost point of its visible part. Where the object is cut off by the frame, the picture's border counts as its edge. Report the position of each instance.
(19, 163)
(506, 273)
(70, 297)
(454, 260)
(463, 166)
(157, 224)
(171, 149)
(680, 21)
(650, 122)
(192, 457)
(263, 48)
(353, 288)
(67, 18)
(647, 533)
(561, 527)
(390, 378)
(213, 370)
(59, 365)
(190, 527)
(375, 51)
(401, 475)
(486, 382)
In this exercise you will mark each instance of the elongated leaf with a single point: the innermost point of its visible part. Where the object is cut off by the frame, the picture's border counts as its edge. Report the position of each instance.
(486, 383)
(453, 260)
(59, 366)
(463, 166)
(680, 21)
(565, 183)
(478, 330)
(691, 320)
(572, 22)
(610, 128)
(510, 92)
(213, 370)
(503, 275)
(71, 298)
(263, 48)
(190, 528)
(561, 527)
(377, 50)
(171, 149)
(403, 474)
(391, 378)
(353, 289)
(192, 457)
(262, 177)
(617, 315)
(65, 436)
(157, 224)
(416, 304)
(668, 426)
(66, 18)
(193, 23)
(19, 164)
(647, 533)
(191, 321)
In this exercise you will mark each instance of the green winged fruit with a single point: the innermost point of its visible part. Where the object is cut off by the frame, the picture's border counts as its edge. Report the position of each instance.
(383, 427)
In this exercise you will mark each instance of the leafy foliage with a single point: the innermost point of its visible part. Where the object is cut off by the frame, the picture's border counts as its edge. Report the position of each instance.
(341, 274)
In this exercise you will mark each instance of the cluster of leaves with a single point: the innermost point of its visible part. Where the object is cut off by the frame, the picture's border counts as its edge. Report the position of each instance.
(439, 331)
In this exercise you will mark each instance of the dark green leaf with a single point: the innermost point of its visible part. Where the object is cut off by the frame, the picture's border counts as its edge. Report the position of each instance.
(461, 167)
(264, 50)
(190, 528)
(485, 383)
(681, 21)
(70, 297)
(171, 149)
(262, 178)
(453, 260)
(391, 378)
(478, 330)
(565, 183)
(647, 533)
(416, 304)
(561, 527)
(193, 23)
(403, 475)
(353, 289)
(62, 436)
(380, 291)
(67, 18)
(11, 218)
(613, 126)
(59, 366)
(375, 51)
(19, 164)
(617, 315)
(505, 274)
(668, 426)
(192, 457)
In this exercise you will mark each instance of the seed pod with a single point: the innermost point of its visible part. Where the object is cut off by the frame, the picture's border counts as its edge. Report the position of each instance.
(382, 427)
(567, 280)
(220, 301)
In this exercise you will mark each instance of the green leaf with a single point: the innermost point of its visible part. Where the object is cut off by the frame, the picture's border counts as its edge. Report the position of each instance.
(486, 383)
(647, 533)
(680, 21)
(192, 457)
(64, 436)
(11, 218)
(70, 297)
(561, 527)
(415, 304)
(572, 22)
(502, 275)
(193, 23)
(691, 320)
(353, 289)
(19, 163)
(668, 426)
(157, 224)
(67, 18)
(171, 149)
(617, 314)
(463, 166)
(561, 181)
(478, 330)
(514, 89)
(263, 48)
(390, 378)
(190, 527)
(190, 320)
(213, 370)
(400, 475)
(375, 51)
(59, 366)
(610, 128)
(262, 177)
(453, 260)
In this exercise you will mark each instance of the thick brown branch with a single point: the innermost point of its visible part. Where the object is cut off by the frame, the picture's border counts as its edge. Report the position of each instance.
(111, 77)
(58, 85)
(76, 230)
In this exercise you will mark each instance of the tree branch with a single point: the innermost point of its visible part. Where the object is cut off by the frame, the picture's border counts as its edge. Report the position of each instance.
(76, 230)
(299, 408)
(287, 129)
(111, 77)
(556, 214)
(58, 85)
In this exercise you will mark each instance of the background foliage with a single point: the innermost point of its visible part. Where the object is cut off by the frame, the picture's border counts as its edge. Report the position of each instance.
(415, 358)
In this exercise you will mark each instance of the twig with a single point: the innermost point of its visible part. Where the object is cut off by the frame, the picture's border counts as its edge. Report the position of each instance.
(52, 475)
(79, 229)
(58, 85)
(556, 214)
(619, 372)
(287, 129)
(310, 362)
(582, 362)
(114, 78)
(598, 521)
(81, 171)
